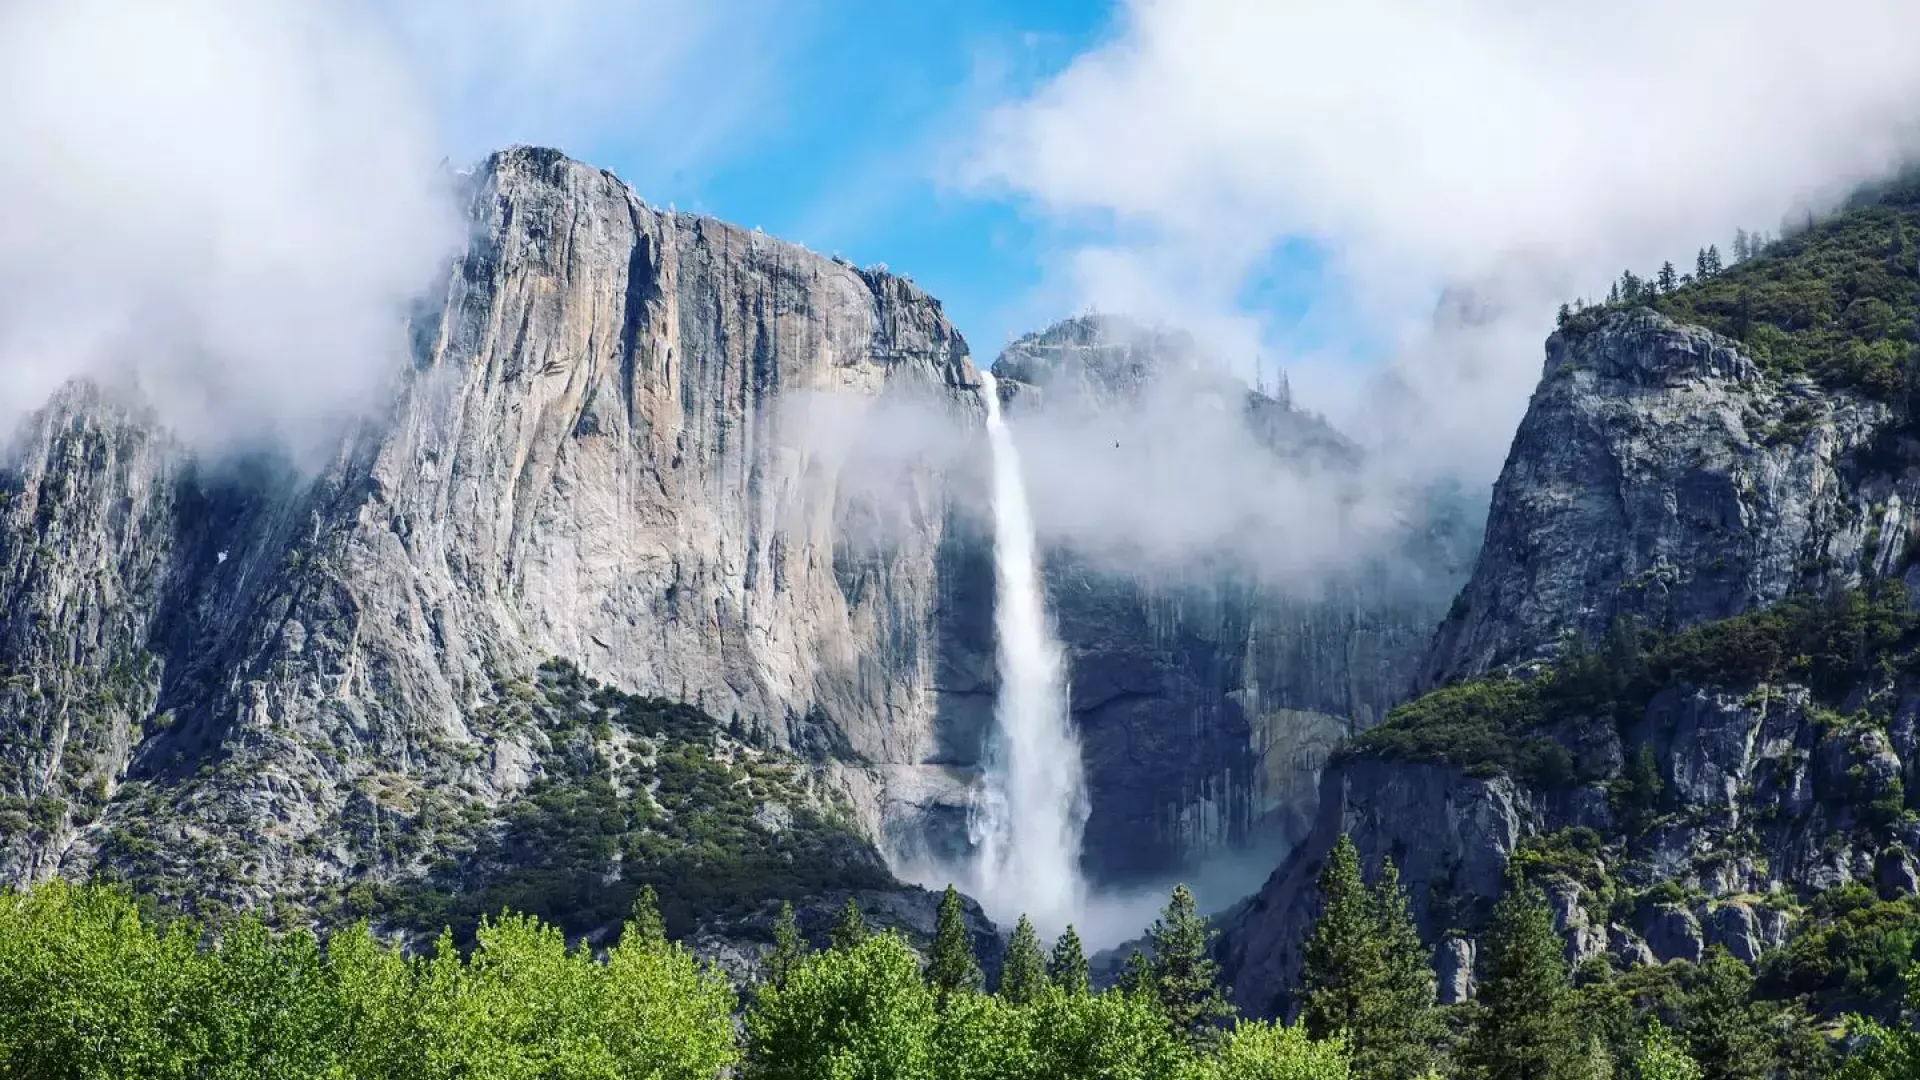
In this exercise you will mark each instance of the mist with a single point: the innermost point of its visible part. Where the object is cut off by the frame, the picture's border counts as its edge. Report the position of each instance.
(1529, 152)
(228, 202)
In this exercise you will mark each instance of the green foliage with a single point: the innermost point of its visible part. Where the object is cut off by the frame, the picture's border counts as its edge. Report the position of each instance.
(1849, 946)
(1365, 977)
(1184, 978)
(1527, 1008)
(1660, 1056)
(851, 929)
(1023, 970)
(1067, 965)
(789, 948)
(1257, 1051)
(1888, 1052)
(860, 1011)
(1726, 1032)
(589, 834)
(1494, 725)
(88, 990)
(953, 969)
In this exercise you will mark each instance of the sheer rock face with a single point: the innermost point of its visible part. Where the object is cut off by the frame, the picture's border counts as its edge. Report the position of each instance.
(584, 461)
(1659, 475)
(1207, 689)
(694, 461)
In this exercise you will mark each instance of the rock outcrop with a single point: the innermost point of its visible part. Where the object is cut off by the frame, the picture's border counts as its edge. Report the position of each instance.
(1662, 477)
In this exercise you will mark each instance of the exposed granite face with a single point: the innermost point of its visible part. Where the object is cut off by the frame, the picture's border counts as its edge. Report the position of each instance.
(586, 460)
(697, 463)
(1208, 692)
(1658, 474)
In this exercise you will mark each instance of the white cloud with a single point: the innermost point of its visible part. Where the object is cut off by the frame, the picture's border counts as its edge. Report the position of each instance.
(237, 200)
(1537, 147)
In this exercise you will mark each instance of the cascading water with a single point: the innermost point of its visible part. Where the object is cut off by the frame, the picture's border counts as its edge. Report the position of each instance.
(1028, 817)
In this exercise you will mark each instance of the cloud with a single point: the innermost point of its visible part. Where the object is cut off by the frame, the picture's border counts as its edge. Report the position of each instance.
(233, 200)
(1530, 150)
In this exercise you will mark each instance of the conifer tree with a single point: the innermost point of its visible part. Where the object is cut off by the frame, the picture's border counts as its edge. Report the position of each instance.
(1713, 260)
(1023, 972)
(1185, 977)
(1525, 1029)
(1366, 974)
(789, 948)
(1136, 976)
(1341, 959)
(1741, 245)
(645, 922)
(1404, 1021)
(1700, 270)
(1725, 1033)
(1067, 967)
(1666, 279)
(953, 968)
(1613, 293)
(851, 930)
(1564, 316)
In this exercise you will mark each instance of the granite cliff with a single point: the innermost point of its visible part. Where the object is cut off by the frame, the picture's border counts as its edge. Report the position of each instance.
(663, 515)
(1679, 688)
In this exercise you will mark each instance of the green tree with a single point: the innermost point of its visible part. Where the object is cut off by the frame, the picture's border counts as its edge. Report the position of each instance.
(1185, 978)
(1713, 260)
(1366, 975)
(981, 1037)
(1661, 1057)
(789, 947)
(851, 930)
(1067, 966)
(1665, 280)
(645, 919)
(1261, 1051)
(1136, 976)
(1341, 962)
(1700, 270)
(1023, 971)
(953, 969)
(660, 1013)
(857, 1012)
(1525, 1025)
(1726, 1033)
(1109, 1036)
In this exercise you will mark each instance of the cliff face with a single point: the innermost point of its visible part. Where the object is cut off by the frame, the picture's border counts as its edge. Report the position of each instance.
(584, 461)
(681, 460)
(1659, 475)
(1208, 689)
(1742, 735)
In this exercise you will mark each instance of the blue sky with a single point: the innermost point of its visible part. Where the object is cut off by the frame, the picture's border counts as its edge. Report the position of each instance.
(854, 141)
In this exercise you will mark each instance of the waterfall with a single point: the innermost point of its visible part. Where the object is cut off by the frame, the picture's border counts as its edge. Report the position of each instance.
(1028, 816)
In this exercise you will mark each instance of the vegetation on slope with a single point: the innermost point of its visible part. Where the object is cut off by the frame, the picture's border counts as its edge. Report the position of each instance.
(1837, 300)
(1498, 725)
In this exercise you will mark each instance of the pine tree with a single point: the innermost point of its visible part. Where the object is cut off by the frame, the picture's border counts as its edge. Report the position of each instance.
(1366, 974)
(1023, 972)
(1526, 1025)
(851, 930)
(1700, 270)
(789, 948)
(1136, 976)
(1184, 975)
(1341, 958)
(1565, 315)
(1742, 246)
(1725, 1033)
(645, 920)
(1405, 1026)
(1666, 281)
(1613, 293)
(1067, 967)
(1713, 260)
(952, 968)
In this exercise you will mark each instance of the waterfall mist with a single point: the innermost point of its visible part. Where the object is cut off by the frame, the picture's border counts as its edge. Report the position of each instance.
(1028, 815)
